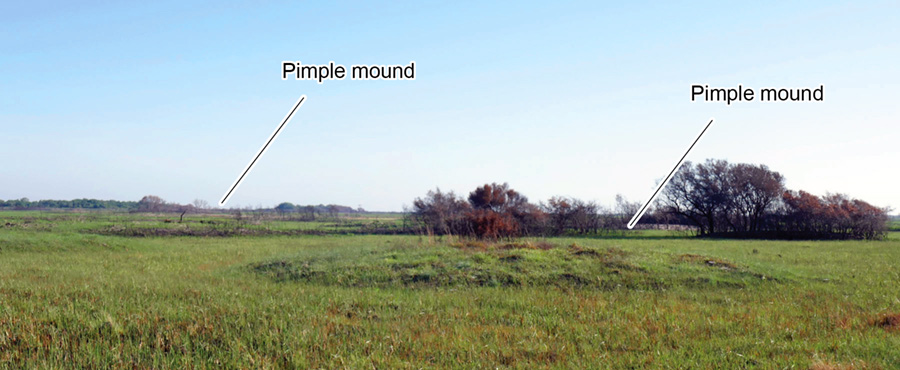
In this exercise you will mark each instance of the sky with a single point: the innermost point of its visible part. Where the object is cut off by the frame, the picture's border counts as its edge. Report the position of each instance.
(591, 99)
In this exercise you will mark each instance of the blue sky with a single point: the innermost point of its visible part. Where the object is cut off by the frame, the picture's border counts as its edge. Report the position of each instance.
(585, 99)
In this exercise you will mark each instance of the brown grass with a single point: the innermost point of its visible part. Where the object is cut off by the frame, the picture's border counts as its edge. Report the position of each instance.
(471, 245)
(888, 321)
(527, 245)
(483, 246)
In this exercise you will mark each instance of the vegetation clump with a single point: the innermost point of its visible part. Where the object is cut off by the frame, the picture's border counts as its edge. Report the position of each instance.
(476, 263)
(473, 263)
(496, 211)
(888, 321)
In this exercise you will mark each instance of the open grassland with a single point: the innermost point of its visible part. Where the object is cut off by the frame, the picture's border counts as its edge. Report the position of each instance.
(74, 297)
(220, 224)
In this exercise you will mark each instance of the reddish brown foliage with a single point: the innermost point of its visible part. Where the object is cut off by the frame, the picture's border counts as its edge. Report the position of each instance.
(490, 224)
(493, 197)
(744, 200)
(833, 216)
(889, 321)
(500, 212)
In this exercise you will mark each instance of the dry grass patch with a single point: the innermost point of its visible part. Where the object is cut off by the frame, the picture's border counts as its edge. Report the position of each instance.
(528, 245)
(887, 321)
(481, 245)
(825, 365)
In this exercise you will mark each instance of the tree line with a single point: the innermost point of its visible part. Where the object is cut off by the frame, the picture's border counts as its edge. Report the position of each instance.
(715, 198)
(497, 211)
(25, 204)
(154, 203)
(746, 200)
(310, 212)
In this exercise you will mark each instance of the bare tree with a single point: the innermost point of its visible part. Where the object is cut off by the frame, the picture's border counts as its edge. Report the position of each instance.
(309, 213)
(151, 203)
(753, 192)
(333, 211)
(200, 204)
(699, 193)
(441, 213)
(623, 212)
(573, 215)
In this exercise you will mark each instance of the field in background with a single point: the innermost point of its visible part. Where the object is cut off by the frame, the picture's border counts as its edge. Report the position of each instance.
(216, 224)
(894, 224)
(112, 290)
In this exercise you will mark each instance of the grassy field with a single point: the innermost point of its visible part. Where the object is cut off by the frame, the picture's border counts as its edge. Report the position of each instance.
(73, 294)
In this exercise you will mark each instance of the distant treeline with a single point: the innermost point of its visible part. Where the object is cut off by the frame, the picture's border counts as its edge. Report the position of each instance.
(715, 198)
(25, 204)
(298, 212)
(287, 207)
(153, 203)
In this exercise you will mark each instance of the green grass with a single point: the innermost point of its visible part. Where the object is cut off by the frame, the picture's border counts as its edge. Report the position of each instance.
(894, 224)
(70, 297)
(152, 224)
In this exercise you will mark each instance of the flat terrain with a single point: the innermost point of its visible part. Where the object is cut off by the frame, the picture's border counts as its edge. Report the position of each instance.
(78, 291)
